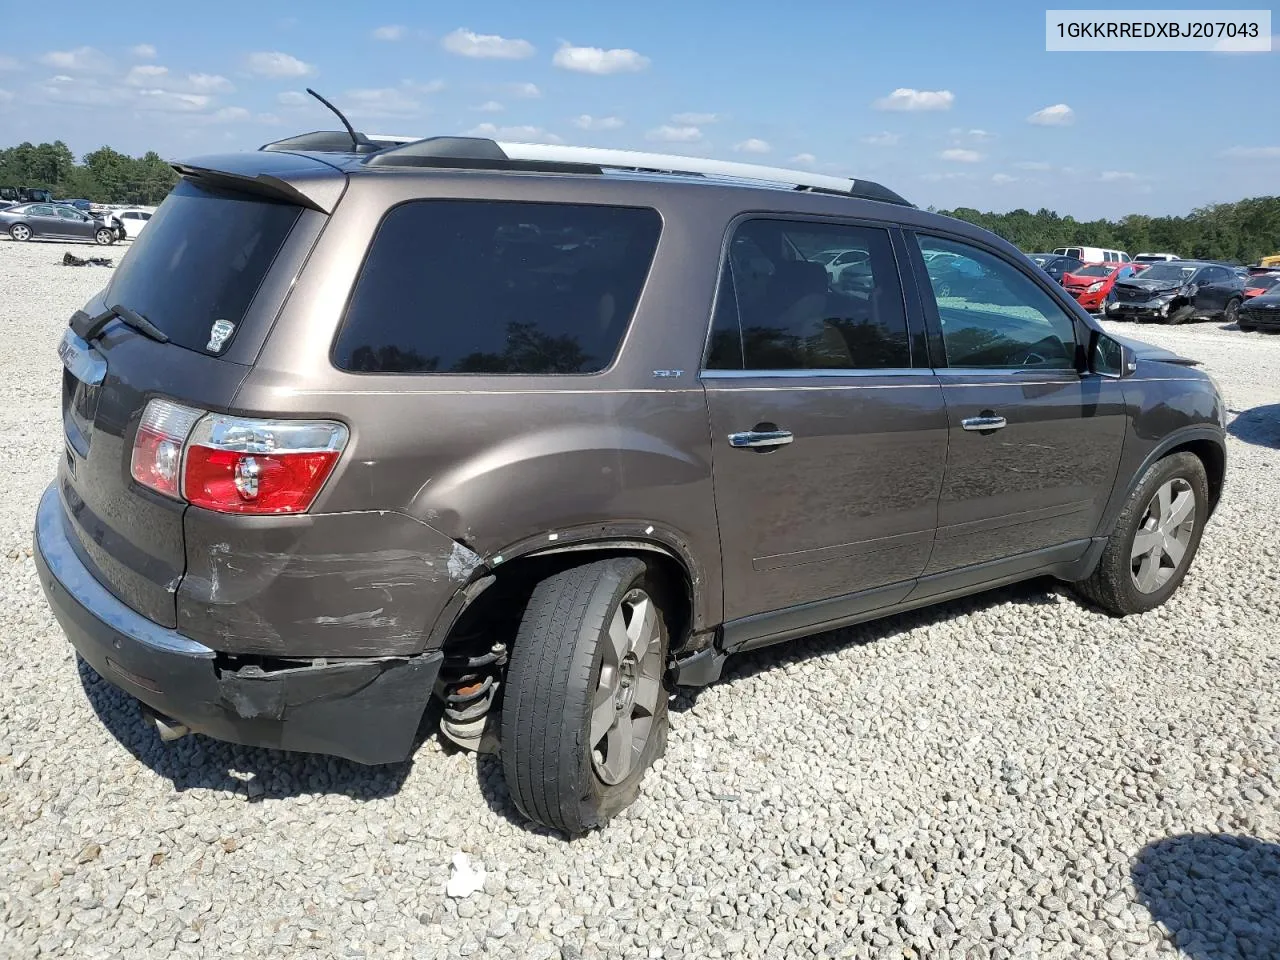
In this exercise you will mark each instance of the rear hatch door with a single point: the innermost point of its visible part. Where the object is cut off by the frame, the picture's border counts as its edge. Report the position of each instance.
(210, 273)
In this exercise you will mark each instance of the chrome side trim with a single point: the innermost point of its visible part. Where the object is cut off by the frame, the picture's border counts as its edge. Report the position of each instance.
(71, 573)
(807, 374)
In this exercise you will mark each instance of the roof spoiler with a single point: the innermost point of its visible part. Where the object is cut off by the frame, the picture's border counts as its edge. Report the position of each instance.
(314, 194)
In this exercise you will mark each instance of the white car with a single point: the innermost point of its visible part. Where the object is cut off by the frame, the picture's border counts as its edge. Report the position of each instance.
(1155, 257)
(133, 221)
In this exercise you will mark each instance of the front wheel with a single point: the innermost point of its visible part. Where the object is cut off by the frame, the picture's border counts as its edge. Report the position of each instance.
(1154, 540)
(584, 712)
(105, 236)
(20, 232)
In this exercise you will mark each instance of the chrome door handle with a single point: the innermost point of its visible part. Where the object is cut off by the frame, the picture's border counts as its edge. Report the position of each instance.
(982, 424)
(760, 438)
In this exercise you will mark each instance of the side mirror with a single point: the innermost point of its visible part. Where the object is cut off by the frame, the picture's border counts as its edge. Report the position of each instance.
(1109, 357)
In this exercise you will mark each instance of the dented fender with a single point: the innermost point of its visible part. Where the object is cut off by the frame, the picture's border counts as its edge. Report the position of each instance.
(364, 583)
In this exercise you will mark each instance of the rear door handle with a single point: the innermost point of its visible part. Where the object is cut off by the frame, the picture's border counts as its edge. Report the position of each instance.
(756, 439)
(983, 424)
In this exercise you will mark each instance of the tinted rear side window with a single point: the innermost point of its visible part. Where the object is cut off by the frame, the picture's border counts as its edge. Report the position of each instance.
(202, 260)
(473, 286)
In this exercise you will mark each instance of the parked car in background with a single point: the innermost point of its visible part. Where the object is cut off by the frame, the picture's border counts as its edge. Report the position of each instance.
(1155, 257)
(50, 221)
(25, 195)
(1258, 284)
(1091, 283)
(84, 206)
(132, 221)
(1093, 254)
(1056, 265)
(1177, 291)
(1261, 313)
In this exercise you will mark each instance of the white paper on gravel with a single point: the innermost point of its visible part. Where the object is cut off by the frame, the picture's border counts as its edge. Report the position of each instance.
(465, 879)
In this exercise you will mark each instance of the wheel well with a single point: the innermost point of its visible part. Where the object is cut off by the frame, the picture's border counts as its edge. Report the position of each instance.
(1215, 465)
(495, 614)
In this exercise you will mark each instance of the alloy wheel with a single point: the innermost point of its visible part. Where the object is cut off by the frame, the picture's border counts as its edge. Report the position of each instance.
(630, 683)
(1163, 536)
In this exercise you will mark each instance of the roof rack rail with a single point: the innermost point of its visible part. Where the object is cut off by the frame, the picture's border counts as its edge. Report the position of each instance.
(481, 153)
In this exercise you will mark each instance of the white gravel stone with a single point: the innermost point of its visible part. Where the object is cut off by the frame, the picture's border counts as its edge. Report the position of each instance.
(1011, 775)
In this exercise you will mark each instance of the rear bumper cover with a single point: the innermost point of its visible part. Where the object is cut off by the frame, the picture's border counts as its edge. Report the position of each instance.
(366, 710)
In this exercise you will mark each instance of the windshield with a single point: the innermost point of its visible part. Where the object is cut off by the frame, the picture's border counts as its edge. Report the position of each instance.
(201, 259)
(1169, 272)
(1094, 270)
(1262, 283)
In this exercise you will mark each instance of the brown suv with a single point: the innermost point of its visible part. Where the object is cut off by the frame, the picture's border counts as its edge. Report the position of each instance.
(540, 432)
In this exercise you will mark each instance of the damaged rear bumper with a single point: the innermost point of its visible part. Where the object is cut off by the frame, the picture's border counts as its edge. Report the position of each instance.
(367, 710)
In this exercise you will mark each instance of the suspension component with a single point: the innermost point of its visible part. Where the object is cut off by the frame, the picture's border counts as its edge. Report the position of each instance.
(469, 687)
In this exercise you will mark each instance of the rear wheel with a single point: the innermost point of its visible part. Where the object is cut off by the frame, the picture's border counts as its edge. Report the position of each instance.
(1155, 539)
(1232, 312)
(105, 236)
(585, 712)
(20, 232)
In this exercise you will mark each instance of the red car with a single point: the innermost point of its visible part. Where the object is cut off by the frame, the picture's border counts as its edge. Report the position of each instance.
(1259, 284)
(1091, 283)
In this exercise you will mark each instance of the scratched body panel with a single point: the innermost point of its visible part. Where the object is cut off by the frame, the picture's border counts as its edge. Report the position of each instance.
(345, 584)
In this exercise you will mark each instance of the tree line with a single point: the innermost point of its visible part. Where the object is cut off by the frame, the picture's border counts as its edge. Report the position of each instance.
(103, 176)
(1241, 231)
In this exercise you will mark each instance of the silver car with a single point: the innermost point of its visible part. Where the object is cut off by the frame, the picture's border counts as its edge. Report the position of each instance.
(52, 221)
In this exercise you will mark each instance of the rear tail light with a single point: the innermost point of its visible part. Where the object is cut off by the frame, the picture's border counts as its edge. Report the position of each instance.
(235, 464)
(157, 446)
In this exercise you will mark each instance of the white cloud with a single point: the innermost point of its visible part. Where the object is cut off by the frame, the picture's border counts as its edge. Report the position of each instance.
(905, 98)
(753, 145)
(1118, 176)
(273, 63)
(695, 119)
(1003, 178)
(805, 158)
(599, 61)
(145, 75)
(491, 106)
(79, 60)
(209, 83)
(166, 101)
(884, 139)
(82, 92)
(1058, 115)
(143, 51)
(269, 119)
(9, 63)
(392, 32)
(1252, 153)
(1038, 165)
(961, 155)
(975, 134)
(525, 91)
(5, 96)
(588, 122)
(487, 46)
(517, 134)
(426, 89)
(293, 98)
(936, 177)
(670, 134)
(230, 115)
(384, 102)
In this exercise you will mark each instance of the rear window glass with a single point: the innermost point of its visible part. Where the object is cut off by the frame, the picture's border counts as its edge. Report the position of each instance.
(473, 286)
(202, 260)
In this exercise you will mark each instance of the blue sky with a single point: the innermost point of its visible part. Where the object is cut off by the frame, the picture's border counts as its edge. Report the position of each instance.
(949, 104)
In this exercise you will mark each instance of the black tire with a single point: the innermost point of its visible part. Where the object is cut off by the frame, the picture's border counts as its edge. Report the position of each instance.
(1112, 584)
(105, 236)
(552, 680)
(1231, 313)
(1181, 315)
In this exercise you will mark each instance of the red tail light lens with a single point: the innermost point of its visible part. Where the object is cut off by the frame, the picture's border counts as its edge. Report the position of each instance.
(242, 465)
(157, 447)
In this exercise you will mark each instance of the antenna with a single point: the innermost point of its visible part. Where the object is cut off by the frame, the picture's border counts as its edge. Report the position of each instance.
(355, 140)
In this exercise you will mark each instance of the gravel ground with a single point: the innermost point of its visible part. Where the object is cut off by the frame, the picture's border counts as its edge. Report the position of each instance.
(1009, 776)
